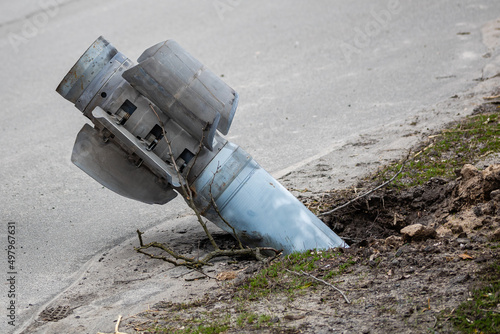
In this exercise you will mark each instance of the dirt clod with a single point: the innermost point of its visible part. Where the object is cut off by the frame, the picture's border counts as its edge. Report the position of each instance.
(418, 232)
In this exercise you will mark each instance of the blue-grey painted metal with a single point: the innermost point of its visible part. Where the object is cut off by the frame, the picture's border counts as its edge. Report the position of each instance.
(108, 165)
(186, 90)
(171, 95)
(260, 209)
(157, 165)
(86, 69)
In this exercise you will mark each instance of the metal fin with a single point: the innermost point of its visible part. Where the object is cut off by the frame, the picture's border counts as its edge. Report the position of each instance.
(108, 164)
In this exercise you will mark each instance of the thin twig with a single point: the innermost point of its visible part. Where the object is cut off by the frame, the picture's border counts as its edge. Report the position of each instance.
(117, 326)
(320, 280)
(185, 187)
(187, 261)
(200, 146)
(491, 97)
(192, 263)
(132, 280)
(214, 204)
(423, 150)
(368, 192)
(197, 263)
(208, 276)
(118, 323)
(184, 274)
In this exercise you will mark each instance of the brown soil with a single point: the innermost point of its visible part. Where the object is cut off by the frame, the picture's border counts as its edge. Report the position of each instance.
(408, 282)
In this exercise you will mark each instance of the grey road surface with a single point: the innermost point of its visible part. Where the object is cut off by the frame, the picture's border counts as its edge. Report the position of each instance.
(315, 78)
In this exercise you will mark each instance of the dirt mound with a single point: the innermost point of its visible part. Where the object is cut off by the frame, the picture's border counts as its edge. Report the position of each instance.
(415, 255)
(449, 207)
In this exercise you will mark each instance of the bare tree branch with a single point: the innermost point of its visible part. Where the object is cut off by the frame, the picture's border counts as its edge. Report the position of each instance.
(205, 260)
(117, 326)
(185, 187)
(214, 204)
(320, 280)
(180, 260)
(368, 192)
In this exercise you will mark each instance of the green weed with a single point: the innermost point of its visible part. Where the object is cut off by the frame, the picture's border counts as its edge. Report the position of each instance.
(466, 142)
(277, 277)
(480, 313)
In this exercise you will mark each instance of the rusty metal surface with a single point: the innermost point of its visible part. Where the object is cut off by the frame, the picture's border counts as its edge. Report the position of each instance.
(85, 69)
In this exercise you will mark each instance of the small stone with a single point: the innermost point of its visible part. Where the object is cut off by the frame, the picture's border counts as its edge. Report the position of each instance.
(462, 241)
(418, 232)
(250, 269)
(460, 279)
(409, 270)
(431, 249)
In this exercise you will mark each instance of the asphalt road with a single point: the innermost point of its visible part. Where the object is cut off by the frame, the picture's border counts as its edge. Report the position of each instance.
(312, 77)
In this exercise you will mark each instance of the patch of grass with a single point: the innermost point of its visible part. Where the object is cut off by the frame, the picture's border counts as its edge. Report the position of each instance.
(175, 320)
(341, 269)
(204, 329)
(276, 278)
(213, 327)
(468, 141)
(255, 320)
(481, 312)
